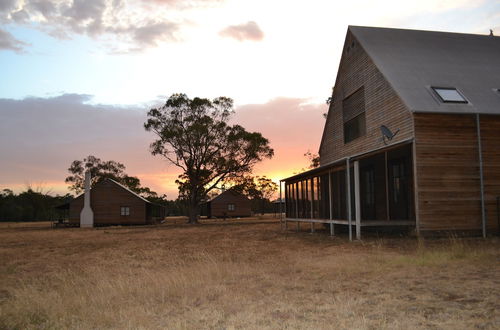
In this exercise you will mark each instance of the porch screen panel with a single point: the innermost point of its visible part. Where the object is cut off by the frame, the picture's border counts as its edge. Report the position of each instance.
(339, 195)
(310, 197)
(316, 194)
(286, 200)
(289, 201)
(300, 199)
(324, 197)
(307, 203)
(294, 200)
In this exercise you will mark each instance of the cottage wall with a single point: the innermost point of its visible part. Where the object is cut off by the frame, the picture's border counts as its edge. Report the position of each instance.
(382, 106)
(219, 206)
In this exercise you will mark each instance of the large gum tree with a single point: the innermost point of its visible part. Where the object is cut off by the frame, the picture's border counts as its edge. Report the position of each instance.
(194, 135)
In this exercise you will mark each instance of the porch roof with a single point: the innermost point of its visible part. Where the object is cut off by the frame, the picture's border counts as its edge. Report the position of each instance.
(340, 161)
(316, 170)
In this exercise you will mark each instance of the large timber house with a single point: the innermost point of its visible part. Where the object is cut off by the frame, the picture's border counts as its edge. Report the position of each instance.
(415, 117)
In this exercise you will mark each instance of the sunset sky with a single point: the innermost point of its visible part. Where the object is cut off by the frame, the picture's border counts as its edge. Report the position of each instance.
(77, 77)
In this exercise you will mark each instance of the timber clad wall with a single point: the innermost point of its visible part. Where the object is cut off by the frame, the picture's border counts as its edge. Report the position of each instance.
(106, 199)
(447, 172)
(383, 106)
(490, 137)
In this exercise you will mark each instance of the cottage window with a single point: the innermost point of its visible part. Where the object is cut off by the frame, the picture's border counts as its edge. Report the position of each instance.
(449, 95)
(231, 207)
(125, 210)
(353, 113)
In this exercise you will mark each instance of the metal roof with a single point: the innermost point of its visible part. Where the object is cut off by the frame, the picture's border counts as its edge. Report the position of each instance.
(226, 192)
(413, 61)
(130, 191)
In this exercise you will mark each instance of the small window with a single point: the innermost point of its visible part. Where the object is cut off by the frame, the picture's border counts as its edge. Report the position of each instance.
(449, 95)
(355, 128)
(125, 211)
(230, 207)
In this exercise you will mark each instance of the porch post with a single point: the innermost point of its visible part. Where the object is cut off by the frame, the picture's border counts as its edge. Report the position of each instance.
(348, 197)
(330, 202)
(357, 200)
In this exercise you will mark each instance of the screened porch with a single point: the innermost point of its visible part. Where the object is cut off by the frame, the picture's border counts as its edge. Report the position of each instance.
(376, 191)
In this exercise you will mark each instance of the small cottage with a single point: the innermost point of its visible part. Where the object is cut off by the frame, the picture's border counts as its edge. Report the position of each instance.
(228, 204)
(114, 204)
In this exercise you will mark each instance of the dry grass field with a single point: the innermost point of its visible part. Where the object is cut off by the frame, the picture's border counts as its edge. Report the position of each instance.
(247, 274)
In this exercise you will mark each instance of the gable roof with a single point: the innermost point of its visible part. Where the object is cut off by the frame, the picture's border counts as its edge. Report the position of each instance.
(120, 185)
(130, 191)
(229, 191)
(413, 61)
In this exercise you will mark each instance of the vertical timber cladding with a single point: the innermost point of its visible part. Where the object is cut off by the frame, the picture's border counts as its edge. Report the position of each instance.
(490, 138)
(382, 106)
(448, 178)
(242, 206)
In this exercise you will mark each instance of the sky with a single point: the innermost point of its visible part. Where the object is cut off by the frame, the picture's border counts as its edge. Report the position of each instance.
(77, 77)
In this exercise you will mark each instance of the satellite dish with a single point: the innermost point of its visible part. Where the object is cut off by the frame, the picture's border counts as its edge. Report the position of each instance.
(387, 134)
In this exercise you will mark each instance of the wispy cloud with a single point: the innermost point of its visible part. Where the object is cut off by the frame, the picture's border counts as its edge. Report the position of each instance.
(8, 42)
(241, 32)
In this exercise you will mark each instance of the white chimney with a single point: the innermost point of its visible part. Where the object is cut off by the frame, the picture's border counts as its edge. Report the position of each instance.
(87, 216)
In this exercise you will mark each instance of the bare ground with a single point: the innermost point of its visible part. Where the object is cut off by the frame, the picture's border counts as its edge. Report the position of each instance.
(248, 274)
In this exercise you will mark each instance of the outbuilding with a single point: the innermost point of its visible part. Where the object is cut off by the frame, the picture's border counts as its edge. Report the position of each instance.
(114, 204)
(229, 203)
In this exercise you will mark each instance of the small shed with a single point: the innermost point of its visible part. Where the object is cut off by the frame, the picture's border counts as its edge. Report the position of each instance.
(114, 204)
(230, 203)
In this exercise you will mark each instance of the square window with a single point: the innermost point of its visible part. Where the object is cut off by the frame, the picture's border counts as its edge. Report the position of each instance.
(355, 128)
(125, 211)
(231, 207)
(449, 95)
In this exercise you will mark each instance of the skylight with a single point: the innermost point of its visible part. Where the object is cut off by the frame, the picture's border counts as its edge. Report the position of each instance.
(449, 95)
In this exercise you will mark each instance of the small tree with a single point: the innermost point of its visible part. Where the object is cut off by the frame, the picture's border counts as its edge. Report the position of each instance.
(313, 159)
(194, 135)
(100, 170)
(266, 188)
(259, 189)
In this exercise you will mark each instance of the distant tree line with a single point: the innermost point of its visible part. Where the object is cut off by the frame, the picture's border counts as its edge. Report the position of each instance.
(30, 205)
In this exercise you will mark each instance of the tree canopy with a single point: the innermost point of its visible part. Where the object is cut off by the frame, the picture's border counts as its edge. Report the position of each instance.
(194, 135)
(100, 170)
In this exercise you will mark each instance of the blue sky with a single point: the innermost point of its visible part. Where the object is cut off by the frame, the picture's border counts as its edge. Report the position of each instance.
(127, 56)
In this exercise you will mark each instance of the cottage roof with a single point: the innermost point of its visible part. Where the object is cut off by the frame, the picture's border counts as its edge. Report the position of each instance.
(130, 191)
(229, 191)
(118, 184)
(413, 61)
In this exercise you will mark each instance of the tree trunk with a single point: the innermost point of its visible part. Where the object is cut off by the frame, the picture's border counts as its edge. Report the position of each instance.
(193, 212)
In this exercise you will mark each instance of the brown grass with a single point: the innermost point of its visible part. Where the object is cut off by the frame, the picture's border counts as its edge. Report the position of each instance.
(242, 275)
